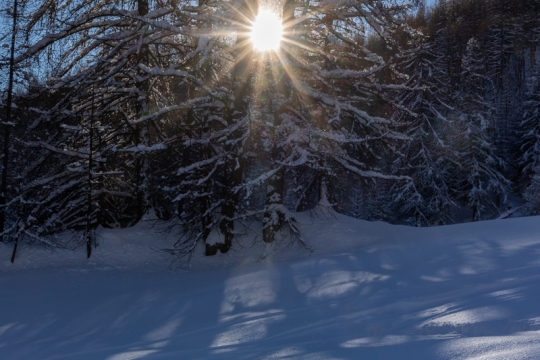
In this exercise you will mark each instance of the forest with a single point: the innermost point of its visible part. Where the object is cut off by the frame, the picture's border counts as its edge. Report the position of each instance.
(380, 110)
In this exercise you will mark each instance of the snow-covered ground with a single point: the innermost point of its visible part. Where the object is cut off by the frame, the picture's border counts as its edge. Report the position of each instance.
(368, 290)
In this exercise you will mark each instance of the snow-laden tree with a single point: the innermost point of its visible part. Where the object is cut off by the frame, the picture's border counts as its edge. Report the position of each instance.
(480, 183)
(309, 117)
(206, 184)
(340, 85)
(166, 104)
(530, 148)
(7, 120)
(426, 156)
(109, 115)
(18, 19)
(506, 44)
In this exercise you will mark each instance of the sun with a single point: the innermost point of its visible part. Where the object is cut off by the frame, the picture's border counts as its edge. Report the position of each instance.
(267, 31)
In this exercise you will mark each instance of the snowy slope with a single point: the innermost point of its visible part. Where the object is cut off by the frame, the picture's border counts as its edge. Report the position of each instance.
(368, 290)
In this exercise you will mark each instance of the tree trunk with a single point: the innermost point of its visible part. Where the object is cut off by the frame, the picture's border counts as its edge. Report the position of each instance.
(7, 130)
(141, 131)
(89, 227)
(242, 78)
(475, 216)
(273, 215)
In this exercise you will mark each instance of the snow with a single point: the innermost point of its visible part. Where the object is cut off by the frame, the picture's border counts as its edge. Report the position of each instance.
(368, 290)
(202, 43)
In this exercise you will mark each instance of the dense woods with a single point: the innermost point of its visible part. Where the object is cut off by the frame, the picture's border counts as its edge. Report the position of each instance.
(381, 110)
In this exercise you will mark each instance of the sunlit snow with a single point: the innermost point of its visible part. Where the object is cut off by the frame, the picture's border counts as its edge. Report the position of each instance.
(369, 290)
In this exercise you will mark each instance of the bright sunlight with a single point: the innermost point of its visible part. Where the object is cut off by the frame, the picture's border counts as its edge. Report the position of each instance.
(267, 31)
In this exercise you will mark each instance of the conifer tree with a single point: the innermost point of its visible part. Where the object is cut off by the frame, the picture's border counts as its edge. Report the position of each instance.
(426, 155)
(480, 181)
(530, 148)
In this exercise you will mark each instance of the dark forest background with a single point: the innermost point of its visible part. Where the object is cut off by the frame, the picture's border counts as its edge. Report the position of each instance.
(378, 110)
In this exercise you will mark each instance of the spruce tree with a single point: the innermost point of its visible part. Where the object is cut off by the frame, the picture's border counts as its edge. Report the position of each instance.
(426, 155)
(480, 181)
(530, 148)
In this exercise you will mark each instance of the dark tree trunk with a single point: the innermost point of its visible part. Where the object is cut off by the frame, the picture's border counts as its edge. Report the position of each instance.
(89, 228)
(142, 7)
(231, 201)
(141, 130)
(7, 130)
(475, 216)
(273, 215)
(242, 74)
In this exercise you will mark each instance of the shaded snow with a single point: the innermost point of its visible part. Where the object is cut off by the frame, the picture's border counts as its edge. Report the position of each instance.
(369, 290)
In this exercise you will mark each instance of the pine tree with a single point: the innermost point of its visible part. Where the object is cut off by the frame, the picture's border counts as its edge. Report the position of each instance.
(216, 129)
(480, 182)
(341, 88)
(109, 116)
(530, 148)
(151, 80)
(7, 124)
(426, 155)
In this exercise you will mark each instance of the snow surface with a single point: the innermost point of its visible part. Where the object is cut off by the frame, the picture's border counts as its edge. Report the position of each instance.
(368, 290)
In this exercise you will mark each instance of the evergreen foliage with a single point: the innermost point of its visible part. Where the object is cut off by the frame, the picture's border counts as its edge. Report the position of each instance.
(378, 109)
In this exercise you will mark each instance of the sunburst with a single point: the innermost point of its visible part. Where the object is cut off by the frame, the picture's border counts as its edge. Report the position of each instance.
(267, 31)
